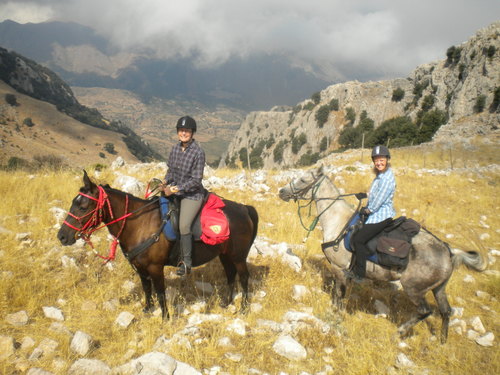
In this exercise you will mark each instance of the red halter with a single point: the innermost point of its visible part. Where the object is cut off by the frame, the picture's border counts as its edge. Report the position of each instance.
(96, 218)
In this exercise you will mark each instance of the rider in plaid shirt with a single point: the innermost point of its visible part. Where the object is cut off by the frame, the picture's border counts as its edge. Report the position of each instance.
(183, 179)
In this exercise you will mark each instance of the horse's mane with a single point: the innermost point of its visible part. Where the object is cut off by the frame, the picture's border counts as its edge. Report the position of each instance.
(120, 192)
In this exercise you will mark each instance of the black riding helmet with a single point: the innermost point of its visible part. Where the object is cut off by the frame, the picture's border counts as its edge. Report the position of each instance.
(186, 122)
(381, 151)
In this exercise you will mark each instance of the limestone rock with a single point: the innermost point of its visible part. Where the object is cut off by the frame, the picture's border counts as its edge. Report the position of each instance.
(18, 319)
(89, 366)
(289, 348)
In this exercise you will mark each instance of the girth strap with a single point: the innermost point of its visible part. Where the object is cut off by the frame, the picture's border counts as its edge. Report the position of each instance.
(131, 255)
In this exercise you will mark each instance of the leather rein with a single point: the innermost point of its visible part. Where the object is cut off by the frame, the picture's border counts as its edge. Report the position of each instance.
(93, 224)
(297, 195)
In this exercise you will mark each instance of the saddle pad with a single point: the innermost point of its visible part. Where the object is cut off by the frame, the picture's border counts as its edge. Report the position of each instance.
(168, 230)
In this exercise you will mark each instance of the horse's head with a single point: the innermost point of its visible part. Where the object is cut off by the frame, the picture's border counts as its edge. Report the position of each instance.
(81, 213)
(300, 188)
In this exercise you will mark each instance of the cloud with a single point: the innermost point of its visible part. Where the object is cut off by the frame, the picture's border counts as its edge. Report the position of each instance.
(369, 39)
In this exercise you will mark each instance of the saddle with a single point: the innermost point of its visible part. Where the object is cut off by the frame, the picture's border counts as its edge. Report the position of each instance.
(210, 224)
(391, 247)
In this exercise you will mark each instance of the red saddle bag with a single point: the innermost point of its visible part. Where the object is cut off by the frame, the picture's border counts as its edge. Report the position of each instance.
(214, 224)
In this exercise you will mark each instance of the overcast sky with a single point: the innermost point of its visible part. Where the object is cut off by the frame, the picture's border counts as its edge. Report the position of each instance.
(355, 39)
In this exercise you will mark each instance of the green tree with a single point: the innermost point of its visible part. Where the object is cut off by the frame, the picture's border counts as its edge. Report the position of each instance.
(11, 100)
(350, 115)
(298, 142)
(428, 102)
(323, 144)
(480, 104)
(28, 122)
(398, 94)
(308, 159)
(322, 115)
(278, 151)
(400, 130)
(110, 148)
(334, 105)
(316, 97)
(350, 137)
(430, 123)
(490, 52)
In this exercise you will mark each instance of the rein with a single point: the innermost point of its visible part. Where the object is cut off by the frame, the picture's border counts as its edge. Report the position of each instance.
(314, 187)
(97, 218)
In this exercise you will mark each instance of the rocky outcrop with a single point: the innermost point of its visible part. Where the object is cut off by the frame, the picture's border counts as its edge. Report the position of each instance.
(465, 86)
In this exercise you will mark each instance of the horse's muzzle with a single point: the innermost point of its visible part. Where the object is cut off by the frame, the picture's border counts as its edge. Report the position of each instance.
(284, 194)
(64, 237)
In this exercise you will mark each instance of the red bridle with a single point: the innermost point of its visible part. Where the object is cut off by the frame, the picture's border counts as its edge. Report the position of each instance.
(96, 218)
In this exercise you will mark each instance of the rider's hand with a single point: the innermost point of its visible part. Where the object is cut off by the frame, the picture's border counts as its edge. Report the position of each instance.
(360, 196)
(364, 211)
(169, 190)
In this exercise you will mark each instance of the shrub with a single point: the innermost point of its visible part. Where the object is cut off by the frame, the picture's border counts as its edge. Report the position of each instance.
(428, 102)
(430, 123)
(308, 159)
(298, 142)
(52, 162)
(453, 55)
(270, 142)
(334, 105)
(495, 104)
(461, 71)
(110, 148)
(309, 106)
(102, 155)
(398, 94)
(316, 97)
(322, 115)
(366, 125)
(480, 104)
(15, 163)
(28, 122)
(350, 115)
(350, 137)
(278, 152)
(490, 52)
(323, 145)
(400, 130)
(419, 88)
(11, 100)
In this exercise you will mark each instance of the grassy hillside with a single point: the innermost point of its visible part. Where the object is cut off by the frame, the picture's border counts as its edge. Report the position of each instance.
(460, 206)
(52, 133)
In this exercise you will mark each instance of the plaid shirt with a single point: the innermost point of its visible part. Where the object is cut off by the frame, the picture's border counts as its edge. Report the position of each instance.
(380, 198)
(185, 170)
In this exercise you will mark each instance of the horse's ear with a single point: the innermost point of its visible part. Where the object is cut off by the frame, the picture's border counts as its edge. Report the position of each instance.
(87, 183)
(321, 170)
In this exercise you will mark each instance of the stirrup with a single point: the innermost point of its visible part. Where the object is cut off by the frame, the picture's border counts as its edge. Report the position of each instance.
(183, 270)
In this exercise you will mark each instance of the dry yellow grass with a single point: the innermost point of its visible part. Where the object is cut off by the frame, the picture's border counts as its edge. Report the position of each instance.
(359, 343)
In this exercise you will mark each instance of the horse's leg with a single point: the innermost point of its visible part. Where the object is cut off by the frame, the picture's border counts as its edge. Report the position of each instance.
(230, 270)
(156, 272)
(444, 309)
(243, 275)
(148, 290)
(423, 311)
(339, 289)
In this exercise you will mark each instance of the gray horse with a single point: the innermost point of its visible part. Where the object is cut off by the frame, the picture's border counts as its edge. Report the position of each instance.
(431, 260)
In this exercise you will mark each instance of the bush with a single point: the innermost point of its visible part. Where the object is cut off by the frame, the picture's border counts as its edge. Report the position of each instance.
(298, 142)
(430, 123)
(308, 159)
(495, 105)
(322, 115)
(110, 148)
(366, 125)
(52, 162)
(480, 104)
(323, 145)
(28, 122)
(461, 71)
(428, 102)
(316, 97)
(453, 55)
(350, 137)
(418, 89)
(15, 163)
(400, 130)
(309, 106)
(334, 105)
(398, 94)
(11, 100)
(102, 155)
(490, 52)
(278, 152)
(350, 115)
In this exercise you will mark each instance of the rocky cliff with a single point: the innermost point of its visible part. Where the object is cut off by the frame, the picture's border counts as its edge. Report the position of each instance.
(464, 86)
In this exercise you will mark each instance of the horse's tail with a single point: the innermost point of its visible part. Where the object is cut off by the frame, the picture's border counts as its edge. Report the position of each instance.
(471, 259)
(254, 216)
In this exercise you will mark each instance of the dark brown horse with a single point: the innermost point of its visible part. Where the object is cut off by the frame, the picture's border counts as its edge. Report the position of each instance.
(135, 223)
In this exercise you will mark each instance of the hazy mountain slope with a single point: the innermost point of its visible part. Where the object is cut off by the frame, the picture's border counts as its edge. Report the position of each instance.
(465, 87)
(53, 134)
